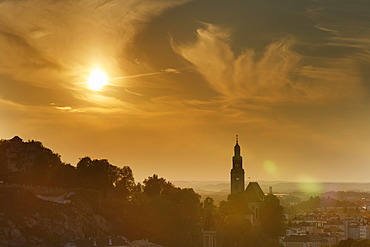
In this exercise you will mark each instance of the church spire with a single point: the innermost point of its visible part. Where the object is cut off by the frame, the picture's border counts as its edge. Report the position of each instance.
(237, 147)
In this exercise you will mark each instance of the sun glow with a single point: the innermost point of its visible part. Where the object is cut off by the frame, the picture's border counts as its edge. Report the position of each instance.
(97, 80)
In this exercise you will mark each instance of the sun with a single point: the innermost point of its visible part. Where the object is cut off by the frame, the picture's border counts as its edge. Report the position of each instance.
(97, 80)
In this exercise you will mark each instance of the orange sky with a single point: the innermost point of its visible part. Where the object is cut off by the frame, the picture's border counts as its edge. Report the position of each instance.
(291, 78)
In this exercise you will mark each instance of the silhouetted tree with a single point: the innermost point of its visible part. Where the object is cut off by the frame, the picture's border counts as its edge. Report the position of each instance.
(44, 168)
(125, 183)
(163, 213)
(97, 174)
(361, 243)
(154, 186)
(272, 217)
(311, 204)
(237, 204)
(235, 229)
(346, 243)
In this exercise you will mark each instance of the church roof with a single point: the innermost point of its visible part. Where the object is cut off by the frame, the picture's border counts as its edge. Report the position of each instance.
(143, 243)
(101, 242)
(297, 238)
(254, 193)
(305, 238)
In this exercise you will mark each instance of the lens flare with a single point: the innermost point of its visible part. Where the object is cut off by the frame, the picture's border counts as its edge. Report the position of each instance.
(310, 186)
(270, 167)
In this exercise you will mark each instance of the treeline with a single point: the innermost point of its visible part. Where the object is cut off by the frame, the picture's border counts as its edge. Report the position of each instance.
(154, 209)
(316, 202)
(33, 164)
(353, 243)
(236, 231)
(160, 212)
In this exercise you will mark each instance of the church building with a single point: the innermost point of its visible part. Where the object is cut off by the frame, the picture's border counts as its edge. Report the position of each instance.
(253, 194)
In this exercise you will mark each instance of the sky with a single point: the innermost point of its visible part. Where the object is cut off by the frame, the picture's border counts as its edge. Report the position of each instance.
(291, 78)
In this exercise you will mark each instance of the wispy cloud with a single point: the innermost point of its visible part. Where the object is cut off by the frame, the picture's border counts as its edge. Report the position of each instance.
(347, 22)
(163, 71)
(278, 74)
(245, 75)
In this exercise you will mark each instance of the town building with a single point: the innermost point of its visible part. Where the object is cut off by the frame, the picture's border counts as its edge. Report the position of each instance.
(116, 241)
(304, 241)
(143, 243)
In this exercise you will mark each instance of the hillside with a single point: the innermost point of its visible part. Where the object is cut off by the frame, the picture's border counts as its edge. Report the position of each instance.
(28, 220)
(44, 202)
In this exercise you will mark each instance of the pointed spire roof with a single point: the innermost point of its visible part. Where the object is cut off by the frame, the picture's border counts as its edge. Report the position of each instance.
(237, 147)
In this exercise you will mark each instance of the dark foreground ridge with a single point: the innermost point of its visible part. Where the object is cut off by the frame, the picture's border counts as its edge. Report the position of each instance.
(45, 202)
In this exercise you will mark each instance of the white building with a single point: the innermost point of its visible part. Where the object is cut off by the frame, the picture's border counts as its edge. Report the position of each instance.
(143, 243)
(364, 231)
(99, 242)
(304, 241)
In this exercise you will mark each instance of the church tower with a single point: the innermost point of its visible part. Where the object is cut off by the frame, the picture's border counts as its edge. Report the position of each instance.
(237, 172)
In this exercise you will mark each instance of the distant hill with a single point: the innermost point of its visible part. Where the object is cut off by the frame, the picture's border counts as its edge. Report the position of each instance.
(219, 190)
